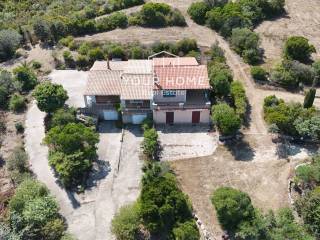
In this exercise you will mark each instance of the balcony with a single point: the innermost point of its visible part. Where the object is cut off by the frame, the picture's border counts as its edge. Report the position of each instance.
(194, 100)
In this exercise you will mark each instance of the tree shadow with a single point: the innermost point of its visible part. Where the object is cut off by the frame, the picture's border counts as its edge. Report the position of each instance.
(247, 118)
(100, 170)
(240, 149)
(2, 162)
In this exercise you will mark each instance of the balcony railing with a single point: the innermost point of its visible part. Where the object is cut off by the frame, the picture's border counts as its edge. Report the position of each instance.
(181, 106)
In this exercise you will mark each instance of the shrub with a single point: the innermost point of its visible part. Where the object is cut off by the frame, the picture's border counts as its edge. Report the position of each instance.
(220, 83)
(25, 77)
(246, 43)
(73, 148)
(17, 103)
(150, 142)
(258, 73)
(9, 43)
(197, 12)
(36, 65)
(82, 62)
(239, 98)
(298, 48)
(17, 160)
(146, 124)
(116, 52)
(187, 45)
(50, 97)
(309, 98)
(233, 207)
(66, 41)
(6, 87)
(159, 15)
(68, 59)
(125, 224)
(187, 230)
(95, 54)
(115, 20)
(41, 29)
(217, 53)
(225, 119)
(290, 73)
(62, 117)
(84, 48)
(19, 127)
(308, 207)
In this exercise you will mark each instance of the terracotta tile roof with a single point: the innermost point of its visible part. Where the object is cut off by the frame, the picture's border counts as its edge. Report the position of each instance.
(178, 61)
(104, 83)
(137, 86)
(183, 77)
(130, 66)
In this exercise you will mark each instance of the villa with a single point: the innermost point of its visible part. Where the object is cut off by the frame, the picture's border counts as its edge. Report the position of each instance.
(172, 90)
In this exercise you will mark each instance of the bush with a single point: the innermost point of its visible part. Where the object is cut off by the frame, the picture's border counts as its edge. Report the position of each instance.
(220, 77)
(146, 124)
(217, 53)
(66, 41)
(125, 224)
(19, 127)
(233, 207)
(309, 98)
(83, 62)
(6, 87)
(33, 208)
(246, 43)
(225, 119)
(159, 15)
(308, 207)
(150, 142)
(290, 74)
(187, 231)
(95, 54)
(258, 73)
(198, 11)
(72, 150)
(186, 45)
(17, 103)
(62, 117)
(17, 160)
(24, 77)
(298, 48)
(68, 59)
(239, 98)
(9, 43)
(50, 97)
(115, 20)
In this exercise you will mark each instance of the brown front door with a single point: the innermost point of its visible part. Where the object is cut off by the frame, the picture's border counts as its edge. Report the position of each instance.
(170, 117)
(195, 117)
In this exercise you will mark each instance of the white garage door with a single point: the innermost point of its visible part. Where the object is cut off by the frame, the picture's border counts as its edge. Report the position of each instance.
(138, 118)
(110, 115)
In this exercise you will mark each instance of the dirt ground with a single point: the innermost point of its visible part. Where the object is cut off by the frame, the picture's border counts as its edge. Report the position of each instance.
(303, 18)
(264, 179)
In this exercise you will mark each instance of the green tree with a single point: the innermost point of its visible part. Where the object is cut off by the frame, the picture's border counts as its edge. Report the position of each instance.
(125, 224)
(246, 43)
(198, 11)
(309, 98)
(220, 83)
(62, 117)
(24, 77)
(309, 208)
(150, 142)
(298, 48)
(186, 231)
(258, 73)
(239, 98)
(226, 119)
(41, 29)
(6, 87)
(9, 43)
(50, 97)
(233, 207)
(17, 103)
(17, 160)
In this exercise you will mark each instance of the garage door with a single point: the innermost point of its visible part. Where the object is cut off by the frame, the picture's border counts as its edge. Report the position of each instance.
(138, 118)
(110, 115)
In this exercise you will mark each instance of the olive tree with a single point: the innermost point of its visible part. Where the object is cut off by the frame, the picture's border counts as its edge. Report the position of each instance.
(9, 43)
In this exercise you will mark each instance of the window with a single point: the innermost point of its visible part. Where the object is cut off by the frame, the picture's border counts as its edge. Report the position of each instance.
(169, 93)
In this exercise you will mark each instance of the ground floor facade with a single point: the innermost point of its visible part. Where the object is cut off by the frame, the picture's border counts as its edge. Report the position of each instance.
(185, 116)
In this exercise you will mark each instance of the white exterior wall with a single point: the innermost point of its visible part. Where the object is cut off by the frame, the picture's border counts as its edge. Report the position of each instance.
(182, 116)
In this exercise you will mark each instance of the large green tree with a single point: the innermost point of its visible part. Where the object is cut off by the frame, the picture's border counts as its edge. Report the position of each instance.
(225, 118)
(298, 48)
(50, 97)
